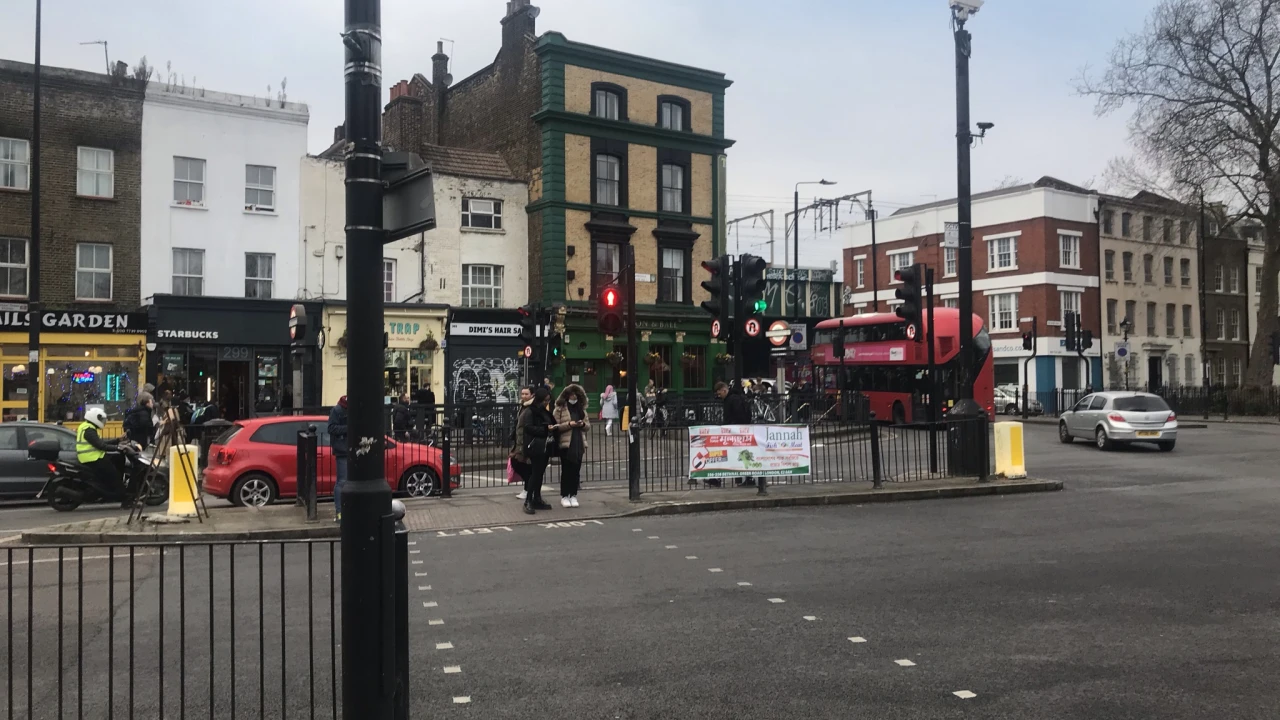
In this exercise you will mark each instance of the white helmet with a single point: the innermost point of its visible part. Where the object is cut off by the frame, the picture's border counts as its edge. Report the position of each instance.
(96, 417)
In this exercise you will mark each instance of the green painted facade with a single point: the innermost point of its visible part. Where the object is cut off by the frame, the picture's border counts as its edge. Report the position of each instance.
(672, 330)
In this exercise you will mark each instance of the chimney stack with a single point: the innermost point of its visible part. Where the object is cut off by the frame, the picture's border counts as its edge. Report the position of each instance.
(519, 22)
(440, 77)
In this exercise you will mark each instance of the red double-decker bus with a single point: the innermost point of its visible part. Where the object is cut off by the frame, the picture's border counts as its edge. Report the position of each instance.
(891, 370)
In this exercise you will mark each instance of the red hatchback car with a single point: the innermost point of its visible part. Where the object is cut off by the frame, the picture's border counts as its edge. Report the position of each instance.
(256, 462)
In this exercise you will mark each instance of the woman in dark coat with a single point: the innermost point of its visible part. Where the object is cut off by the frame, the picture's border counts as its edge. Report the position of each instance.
(536, 426)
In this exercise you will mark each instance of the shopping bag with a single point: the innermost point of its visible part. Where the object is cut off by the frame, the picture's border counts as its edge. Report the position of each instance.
(512, 477)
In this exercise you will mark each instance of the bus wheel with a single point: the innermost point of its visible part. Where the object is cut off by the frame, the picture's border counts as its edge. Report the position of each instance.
(899, 414)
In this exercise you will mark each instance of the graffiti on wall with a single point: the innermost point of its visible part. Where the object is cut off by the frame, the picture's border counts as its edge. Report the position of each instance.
(484, 380)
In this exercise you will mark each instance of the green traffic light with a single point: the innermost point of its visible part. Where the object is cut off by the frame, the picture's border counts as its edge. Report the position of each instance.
(761, 306)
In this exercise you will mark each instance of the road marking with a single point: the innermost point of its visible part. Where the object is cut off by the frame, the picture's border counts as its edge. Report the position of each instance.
(776, 600)
(965, 694)
(856, 639)
(462, 700)
(672, 547)
(424, 587)
(444, 646)
(714, 570)
(810, 618)
(744, 584)
(435, 622)
(431, 604)
(414, 552)
(412, 543)
(416, 562)
(418, 574)
(690, 557)
(905, 663)
(452, 669)
(653, 537)
(636, 530)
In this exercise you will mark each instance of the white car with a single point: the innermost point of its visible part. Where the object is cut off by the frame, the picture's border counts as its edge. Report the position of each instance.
(1109, 418)
(1008, 400)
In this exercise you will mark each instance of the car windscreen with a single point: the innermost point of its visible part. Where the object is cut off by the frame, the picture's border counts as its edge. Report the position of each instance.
(1141, 403)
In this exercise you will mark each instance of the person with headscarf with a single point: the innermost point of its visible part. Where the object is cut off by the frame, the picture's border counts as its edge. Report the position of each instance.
(608, 408)
(572, 427)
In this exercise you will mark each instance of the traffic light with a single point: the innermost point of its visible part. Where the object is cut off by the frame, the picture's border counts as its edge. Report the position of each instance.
(1069, 326)
(910, 294)
(555, 348)
(718, 285)
(1086, 340)
(529, 324)
(837, 343)
(750, 292)
(609, 310)
(1275, 348)
(1028, 341)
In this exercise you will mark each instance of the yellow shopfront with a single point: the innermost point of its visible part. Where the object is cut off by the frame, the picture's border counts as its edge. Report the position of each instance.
(87, 359)
(413, 355)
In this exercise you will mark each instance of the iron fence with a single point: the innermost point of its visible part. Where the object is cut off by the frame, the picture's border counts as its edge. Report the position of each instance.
(200, 630)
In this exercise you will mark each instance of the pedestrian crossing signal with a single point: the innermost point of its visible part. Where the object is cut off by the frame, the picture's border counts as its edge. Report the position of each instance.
(609, 311)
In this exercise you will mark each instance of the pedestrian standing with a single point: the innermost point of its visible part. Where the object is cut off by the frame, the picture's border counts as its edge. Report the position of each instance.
(537, 428)
(401, 418)
(736, 412)
(573, 428)
(338, 445)
(608, 408)
(519, 461)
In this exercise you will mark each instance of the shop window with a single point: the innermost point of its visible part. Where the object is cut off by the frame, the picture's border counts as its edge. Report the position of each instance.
(78, 377)
(259, 188)
(482, 286)
(93, 271)
(482, 214)
(95, 172)
(13, 267)
(188, 272)
(259, 272)
(660, 371)
(694, 363)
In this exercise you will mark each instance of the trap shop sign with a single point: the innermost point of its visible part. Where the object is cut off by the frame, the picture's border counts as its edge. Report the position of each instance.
(721, 451)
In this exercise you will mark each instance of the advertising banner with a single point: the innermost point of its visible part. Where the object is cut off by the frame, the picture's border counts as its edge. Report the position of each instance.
(721, 451)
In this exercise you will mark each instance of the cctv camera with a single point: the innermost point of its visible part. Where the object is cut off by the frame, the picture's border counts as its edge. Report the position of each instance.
(965, 6)
(985, 126)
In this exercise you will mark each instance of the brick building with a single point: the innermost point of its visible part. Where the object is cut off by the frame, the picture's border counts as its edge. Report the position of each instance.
(1227, 303)
(90, 162)
(1035, 255)
(617, 149)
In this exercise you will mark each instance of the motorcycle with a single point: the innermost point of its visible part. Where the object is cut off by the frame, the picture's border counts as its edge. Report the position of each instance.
(72, 484)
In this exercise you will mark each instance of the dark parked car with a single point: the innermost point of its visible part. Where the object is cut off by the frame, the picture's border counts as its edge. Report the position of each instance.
(20, 478)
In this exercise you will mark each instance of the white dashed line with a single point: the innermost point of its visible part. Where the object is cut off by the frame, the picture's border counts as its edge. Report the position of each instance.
(862, 640)
(414, 552)
(452, 669)
(444, 646)
(418, 574)
(462, 700)
(431, 604)
(653, 537)
(435, 622)
(424, 587)
(810, 618)
(690, 557)
(776, 600)
(714, 570)
(744, 584)
(672, 547)
(965, 694)
(413, 542)
(905, 663)
(416, 562)
(636, 530)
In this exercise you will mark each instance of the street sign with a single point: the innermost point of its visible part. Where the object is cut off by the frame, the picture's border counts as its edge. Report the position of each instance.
(800, 337)
(911, 332)
(951, 235)
(715, 328)
(779, 331)
(528, 351)
(297, 323)
(752, 326)
(1122, 350)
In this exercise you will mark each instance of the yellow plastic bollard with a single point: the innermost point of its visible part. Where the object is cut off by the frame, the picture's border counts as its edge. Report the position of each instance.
(626, 419)
(182, 480)
(1010, 458)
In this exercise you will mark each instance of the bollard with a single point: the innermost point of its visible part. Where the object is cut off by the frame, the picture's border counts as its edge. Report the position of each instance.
(401, 703)
(877, 479)
(1010, 458)
(307, 462)
(446, 462)
(760, 485)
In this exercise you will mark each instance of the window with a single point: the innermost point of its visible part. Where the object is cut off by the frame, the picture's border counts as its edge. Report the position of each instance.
(673, 113)
(1111, 316)
(1004, 312)
(388, 280)
(608, 179)
(93, 271)
(1236, 374)
(860, 272)
(1220, 370)
(1151, 319)
(15, 164)
(1069, 250)
(672, 188)
(951, 302)
(1257, 280)
(1168, 271)
(1166, 234)
(1213, 228)
(477, 213)
(1217, 278)
(1131, 313)
(1185, 265)
(607, 102)
(188, 181)
(695, 371)
(1171, 320)
(950, 263)
(671, 275)
(1148, 266)
(1186, 321)
(606, 266)
(1221, 317)
(1184, 233)
(1146, 228)
(1235, 280)
(1126, 224)
(902, 260)
(1002, 254)
(1108, 221)
(13, 267)
(482, 286)
(1190, 369)
(1069, 300)
(1172, 361)
(259, 271)
(1127, 261)
(259, 187)
(95, 172)
(188, 271)
(1109, 265)
(1235, 324)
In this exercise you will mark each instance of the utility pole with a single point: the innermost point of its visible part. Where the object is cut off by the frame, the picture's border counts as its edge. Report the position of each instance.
(633, 375)
(34, 376)
(964, 204)
(368, 596)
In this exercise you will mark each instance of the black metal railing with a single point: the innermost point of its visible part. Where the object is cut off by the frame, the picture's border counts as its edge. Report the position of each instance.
(200, 629)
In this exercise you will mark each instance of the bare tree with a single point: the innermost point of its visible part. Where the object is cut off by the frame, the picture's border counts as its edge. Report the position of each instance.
(1203, 81)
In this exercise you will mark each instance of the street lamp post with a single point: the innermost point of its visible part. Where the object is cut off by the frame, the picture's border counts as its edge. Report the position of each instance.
(795, 260)
(875, 273)
(34, 378)
(1126, 325)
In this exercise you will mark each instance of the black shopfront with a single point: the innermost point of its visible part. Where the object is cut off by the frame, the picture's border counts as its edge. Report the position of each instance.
(233, 352)
(483, 355)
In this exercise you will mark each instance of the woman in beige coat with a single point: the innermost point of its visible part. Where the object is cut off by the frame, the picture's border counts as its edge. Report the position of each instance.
(572, 427)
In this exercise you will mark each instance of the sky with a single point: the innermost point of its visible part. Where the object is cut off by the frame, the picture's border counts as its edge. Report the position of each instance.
(861, 92)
